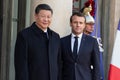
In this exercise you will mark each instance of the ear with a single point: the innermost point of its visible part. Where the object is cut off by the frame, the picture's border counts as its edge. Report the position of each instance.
(35, 16)
(70, 24)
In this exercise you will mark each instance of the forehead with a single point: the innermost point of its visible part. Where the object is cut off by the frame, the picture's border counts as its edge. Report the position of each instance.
(45, 12)
(78, 18)
(91, 23)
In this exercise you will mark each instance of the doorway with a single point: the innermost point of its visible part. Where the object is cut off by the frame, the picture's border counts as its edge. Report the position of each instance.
(14, 12)
(18, 23)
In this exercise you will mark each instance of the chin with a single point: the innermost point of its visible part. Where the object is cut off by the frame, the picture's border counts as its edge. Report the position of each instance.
(45, 26)
(78, 33)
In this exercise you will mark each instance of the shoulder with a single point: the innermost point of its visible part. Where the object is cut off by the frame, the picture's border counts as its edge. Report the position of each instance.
(89, 37)
(53, 33)
(25, 31)
(66, 37)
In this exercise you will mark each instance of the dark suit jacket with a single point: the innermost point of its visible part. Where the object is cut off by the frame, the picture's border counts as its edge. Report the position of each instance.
(36, 57)
(80, 68)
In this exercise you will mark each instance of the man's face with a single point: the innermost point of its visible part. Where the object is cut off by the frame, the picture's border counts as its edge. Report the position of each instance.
(89, 27)
(43, 19)
(77, 24)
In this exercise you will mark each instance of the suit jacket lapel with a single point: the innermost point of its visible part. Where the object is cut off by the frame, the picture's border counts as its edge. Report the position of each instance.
(69, 46)
(81, 44)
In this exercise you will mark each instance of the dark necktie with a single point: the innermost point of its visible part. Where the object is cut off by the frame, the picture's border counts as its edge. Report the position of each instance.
(46, 35)
(75, 46)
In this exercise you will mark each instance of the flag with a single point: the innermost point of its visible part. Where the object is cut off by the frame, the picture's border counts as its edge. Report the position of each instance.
(97, 33)
(114, 70)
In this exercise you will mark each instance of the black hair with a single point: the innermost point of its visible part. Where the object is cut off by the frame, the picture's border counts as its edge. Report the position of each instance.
(77, 14)
(43, 7)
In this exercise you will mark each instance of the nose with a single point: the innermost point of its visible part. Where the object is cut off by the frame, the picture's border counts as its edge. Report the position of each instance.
(45, 19)
(92, 26)
(78, 24)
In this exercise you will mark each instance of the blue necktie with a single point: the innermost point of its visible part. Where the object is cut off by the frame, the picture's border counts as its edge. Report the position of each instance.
(75, 47)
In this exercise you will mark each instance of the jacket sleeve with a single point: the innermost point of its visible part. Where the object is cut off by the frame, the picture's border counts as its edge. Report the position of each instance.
(20, 58)
(95, 61)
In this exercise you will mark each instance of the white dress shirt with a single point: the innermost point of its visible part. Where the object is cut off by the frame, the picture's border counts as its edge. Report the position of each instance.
(45, 31)
(73, 40)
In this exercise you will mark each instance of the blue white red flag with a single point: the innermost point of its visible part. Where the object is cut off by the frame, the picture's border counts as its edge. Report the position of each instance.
(114, 70)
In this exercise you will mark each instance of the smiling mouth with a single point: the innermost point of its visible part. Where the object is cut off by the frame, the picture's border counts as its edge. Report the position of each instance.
(45, 23)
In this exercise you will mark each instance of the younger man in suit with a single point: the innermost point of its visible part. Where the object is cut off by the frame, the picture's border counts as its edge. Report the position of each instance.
(79, 52)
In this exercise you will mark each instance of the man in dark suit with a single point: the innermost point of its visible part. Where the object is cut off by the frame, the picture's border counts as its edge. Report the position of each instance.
(79, 52)
(37, 49)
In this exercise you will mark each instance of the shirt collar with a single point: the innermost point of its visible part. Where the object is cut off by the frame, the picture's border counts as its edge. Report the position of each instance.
(79, 36)
(45, 31)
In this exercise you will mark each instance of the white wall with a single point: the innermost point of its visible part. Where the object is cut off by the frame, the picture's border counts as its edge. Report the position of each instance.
(62, 10)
